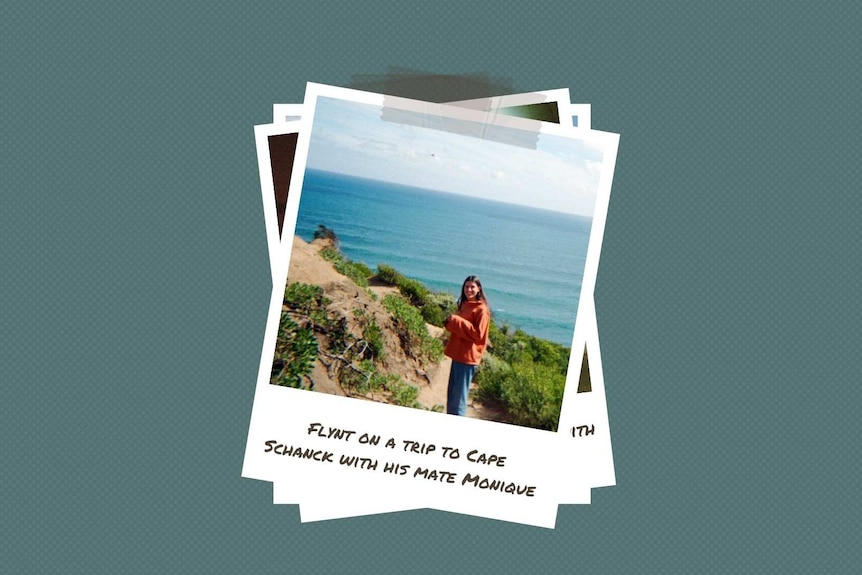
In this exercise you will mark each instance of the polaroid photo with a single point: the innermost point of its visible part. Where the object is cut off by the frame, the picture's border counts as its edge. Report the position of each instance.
(419, 117)
(298, 110)
(549, 106)
(352, 506)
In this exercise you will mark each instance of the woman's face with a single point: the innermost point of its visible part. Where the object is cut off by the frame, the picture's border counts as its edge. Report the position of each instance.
(471, 290)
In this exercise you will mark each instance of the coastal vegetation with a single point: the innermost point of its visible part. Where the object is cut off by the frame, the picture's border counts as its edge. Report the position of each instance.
(521, 375)
(353, 356)
(357, 271)
(525, 374)
(433, 306)
(412, 331)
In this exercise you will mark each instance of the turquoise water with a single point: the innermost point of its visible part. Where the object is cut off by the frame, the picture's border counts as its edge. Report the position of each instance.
(530, 261)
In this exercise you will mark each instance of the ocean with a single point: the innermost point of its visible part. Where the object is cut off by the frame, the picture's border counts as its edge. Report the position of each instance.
(530, 261)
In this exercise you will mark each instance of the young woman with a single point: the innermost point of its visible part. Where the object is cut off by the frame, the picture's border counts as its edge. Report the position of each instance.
(469, 336)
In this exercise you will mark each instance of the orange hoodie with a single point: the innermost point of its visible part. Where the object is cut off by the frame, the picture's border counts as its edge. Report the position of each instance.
(469, 329)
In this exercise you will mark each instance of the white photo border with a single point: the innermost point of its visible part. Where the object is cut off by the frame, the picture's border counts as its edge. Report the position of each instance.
(348, 504)
(291, 217)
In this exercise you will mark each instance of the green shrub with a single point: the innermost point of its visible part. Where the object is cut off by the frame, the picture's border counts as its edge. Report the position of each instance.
(433, 315)
(358, 272)
(361, 378)
(295, 353)
(414, 291)
(533, 394)
(437, 307)
(372, 333)
(380, 382)
(403, 393)
(363, 270)
(434, 306)
(443, 300)
(496, 336)
(308, 300)
(518, 346)
(365, 379)
(305, 297)
(543, 351)
(411, 329)
(388, 275)
(405, 313)
(489, 378)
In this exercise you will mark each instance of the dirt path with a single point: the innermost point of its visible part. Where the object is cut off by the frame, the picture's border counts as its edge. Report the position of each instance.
(435, 393)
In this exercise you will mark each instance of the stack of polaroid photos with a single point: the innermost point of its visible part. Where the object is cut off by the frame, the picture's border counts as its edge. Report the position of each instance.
(395, 226)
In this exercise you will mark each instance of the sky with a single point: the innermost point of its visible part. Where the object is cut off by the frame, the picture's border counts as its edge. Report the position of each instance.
(561, 174)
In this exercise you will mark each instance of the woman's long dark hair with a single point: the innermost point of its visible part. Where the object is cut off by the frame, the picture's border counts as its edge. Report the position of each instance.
(480, 296)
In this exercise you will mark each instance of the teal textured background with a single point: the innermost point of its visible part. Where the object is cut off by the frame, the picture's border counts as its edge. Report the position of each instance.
(135, 281)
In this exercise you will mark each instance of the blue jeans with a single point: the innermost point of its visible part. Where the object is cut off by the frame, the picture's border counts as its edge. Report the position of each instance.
(459, 387)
